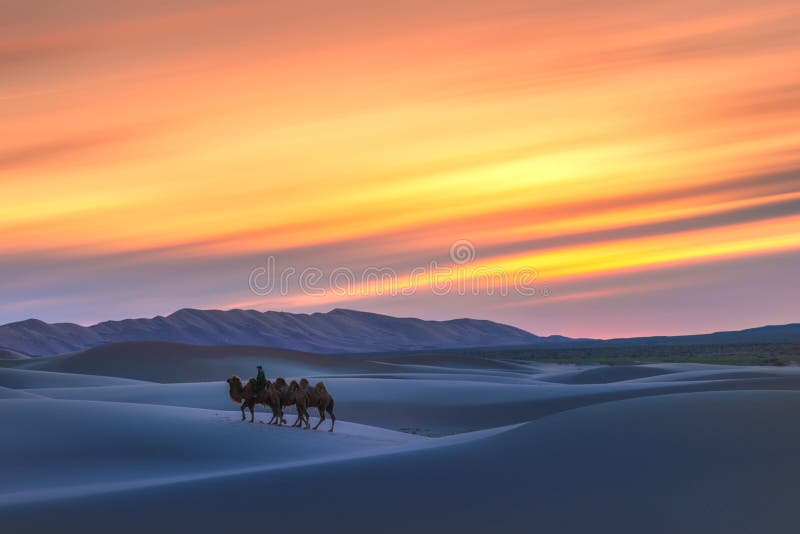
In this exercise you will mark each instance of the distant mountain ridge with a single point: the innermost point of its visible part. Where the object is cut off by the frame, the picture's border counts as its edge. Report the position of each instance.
(339, 331)
(785, 333)
(336, 332)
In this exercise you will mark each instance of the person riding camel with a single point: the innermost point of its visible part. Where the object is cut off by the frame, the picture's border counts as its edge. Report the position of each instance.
(261, 381)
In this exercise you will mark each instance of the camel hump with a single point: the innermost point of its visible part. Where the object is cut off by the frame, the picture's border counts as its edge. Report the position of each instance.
(321, 386)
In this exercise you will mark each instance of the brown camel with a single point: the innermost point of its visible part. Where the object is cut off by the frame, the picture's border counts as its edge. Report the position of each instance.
(291, 394)
(268, 396)
(272, 398)
(319, 397)
(238, 394)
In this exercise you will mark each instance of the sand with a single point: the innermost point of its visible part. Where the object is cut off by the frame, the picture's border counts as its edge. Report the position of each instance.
(440, 446)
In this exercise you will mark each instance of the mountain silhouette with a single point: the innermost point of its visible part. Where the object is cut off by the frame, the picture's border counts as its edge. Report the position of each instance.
(338, 331)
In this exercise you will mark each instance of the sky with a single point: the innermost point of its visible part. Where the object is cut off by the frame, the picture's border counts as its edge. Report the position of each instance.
(618, 168)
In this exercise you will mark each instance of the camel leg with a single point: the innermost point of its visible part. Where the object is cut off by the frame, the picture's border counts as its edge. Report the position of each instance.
(333, 418)
(321, 417)
(242, 408)
(272, 419)
(299, 420)
(283, 419)
(252, 413)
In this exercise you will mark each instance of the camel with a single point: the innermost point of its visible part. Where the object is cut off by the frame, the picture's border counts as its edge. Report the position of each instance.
(291, 394)
(238, 394)
(269, 396)
(319, 397)
(272, 398)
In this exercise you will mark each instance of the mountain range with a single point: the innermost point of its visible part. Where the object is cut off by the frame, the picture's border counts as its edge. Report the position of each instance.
(339, 331)
(336, 332)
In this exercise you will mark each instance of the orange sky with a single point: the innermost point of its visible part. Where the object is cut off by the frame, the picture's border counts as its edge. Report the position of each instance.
(153, 153)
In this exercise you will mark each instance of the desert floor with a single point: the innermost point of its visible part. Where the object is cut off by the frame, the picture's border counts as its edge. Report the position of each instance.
(144, 437)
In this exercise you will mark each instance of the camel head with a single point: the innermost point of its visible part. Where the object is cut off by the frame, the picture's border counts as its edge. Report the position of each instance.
(235, 388)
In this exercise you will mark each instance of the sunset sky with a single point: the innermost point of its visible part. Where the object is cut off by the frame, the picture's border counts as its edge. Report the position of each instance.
(643, 158)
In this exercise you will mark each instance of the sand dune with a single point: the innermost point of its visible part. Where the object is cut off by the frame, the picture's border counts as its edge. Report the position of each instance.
(25, 379)
(604, 375)
(8, 393)
(435, 403)
(164, 443)
(208, 395)
(657, 464)
(7, 354)
(721, 372)
(657, 448)
(176, 362)
(430, 403)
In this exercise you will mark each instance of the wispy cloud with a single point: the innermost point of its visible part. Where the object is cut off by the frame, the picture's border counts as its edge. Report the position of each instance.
(146, 139)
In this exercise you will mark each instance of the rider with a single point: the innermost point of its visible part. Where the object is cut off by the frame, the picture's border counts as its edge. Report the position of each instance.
(261, 380)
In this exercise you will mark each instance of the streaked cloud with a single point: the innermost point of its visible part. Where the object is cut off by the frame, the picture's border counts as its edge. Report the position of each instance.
(174, 145)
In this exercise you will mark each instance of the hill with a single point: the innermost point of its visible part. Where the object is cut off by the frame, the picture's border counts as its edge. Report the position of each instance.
(787, 333)
(336, 332)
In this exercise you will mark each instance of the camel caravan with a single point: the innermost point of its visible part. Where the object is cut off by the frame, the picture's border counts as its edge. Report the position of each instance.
(280, 394)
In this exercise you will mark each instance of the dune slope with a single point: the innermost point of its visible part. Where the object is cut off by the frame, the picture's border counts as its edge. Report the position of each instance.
(176, 362)
(657, 464)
